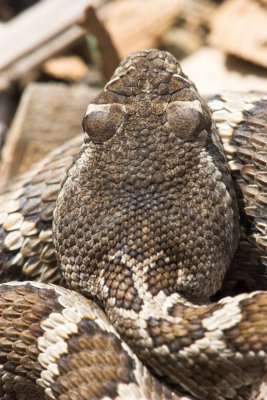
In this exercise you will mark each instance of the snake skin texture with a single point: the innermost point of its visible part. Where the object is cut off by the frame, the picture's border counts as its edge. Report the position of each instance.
(26, 213)
(39, 331)
(242, 122)
(146, 225)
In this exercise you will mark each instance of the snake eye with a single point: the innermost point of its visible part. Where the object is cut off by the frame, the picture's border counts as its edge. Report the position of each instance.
(188, 119)
(102, 121)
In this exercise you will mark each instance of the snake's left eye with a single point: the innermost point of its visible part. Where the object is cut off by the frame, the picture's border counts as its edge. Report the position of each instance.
(102, 121)
(188, 118)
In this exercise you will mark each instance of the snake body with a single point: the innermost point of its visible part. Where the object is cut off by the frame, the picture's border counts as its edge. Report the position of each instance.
(146, 224)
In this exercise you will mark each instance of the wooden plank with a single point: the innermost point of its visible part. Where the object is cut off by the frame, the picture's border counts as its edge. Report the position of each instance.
(48, 115)
(133, 25)
(239, 27)
(70, 68)
(26, 67)
(137, 24)
(123, 26)
(110, 58)
(37, 25)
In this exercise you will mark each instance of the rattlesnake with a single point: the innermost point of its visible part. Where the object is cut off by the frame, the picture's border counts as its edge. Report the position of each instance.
(146, 224)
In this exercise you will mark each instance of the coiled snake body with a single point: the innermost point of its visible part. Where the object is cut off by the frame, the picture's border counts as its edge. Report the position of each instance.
(146, 225)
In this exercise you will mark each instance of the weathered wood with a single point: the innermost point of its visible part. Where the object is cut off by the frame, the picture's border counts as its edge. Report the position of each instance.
(137, 24)
(41, 36)
(239, 27)
(123, 26)
(110, 58)
(48, 115)
(68, 68)
(27, 66)
(132, 24)
(37, 25)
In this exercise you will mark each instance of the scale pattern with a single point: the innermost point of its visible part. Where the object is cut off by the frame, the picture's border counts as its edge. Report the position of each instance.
(64, 343)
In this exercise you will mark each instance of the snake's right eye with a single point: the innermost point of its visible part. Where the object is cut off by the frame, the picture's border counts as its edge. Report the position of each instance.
(102, 121)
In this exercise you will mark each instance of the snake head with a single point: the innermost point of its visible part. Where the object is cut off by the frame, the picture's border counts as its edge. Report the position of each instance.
(148, 87)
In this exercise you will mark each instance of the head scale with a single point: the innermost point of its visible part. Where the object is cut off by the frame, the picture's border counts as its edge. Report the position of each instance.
(148, 85)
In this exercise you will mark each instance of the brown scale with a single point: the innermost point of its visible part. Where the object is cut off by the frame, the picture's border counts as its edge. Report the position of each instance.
(22, 309)
(119, 280)
(95, 359)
